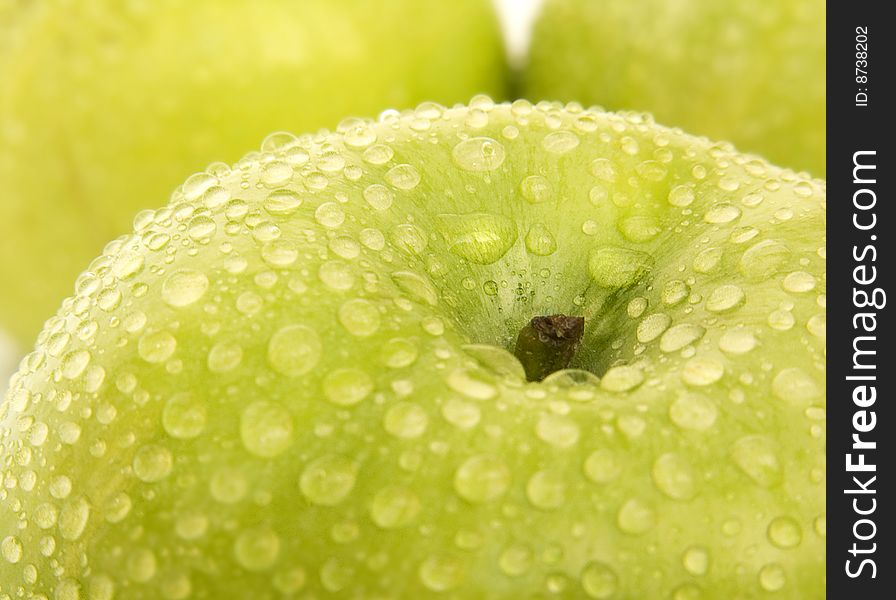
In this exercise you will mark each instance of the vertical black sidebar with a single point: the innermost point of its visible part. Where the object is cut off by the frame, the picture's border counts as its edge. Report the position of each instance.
(861, 438)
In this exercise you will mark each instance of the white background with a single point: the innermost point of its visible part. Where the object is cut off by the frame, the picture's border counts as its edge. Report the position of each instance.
(516, 17)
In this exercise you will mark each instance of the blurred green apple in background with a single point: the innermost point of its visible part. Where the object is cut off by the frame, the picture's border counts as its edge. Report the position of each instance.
(748, 71)
(105, 106)
(295, 380)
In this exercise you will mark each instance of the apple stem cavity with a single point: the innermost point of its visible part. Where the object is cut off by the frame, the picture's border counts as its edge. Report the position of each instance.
(548, 344)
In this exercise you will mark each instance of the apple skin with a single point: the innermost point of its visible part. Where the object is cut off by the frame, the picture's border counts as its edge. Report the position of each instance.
(107, 106)
(291, 382)
(752, 72)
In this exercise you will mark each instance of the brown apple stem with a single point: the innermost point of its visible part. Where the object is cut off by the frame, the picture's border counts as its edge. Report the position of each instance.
(548, 344)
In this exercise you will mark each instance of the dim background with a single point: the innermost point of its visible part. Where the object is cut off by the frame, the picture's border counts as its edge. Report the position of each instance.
(516, 18)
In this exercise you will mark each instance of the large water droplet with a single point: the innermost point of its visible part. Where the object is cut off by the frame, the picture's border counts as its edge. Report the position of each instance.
(266, 429)
(678, 336)
(763, 259)
(405, 420)
(441, 573)
(599, 581)
(294, 350)
(674, 477)
(560, 142)
(602, 466)
(152, 463)
(755, 455)
(546, 490)
(184, 415)
(347, 387)
(785, 532)
(636, 517)
(328, 480)
(156, 347)
(725, 298)
(257, 549)
(395, 506)
(793, 385)
(536, 189)
(184, 287)
(615, 267)
(479, 154)
(696, 560)
(540, 241)
(690, 411)
(482, 479)
(403, 177)
(480, 238)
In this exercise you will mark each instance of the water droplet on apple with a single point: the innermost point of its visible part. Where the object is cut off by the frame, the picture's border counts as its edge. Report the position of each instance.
(515, 560)
(599, 580)
(441, 572)
(472, 383)
(152, 463)
(560, 142)
(479, 154)
(652, 326)
(330, 215)
(379, 196)
(481, 238)
(536, 189)
(184, 415)
(482, 479)
(678, 336)
(674, 477)
(785, 532)
(622, 378)
(294, 350)
(74, 363)
(328, 480)
(257, 549)
(546, 490)
(347, 386)
(696, 560)
(460, 413)
(266, 429)
(755, 456)
(282, 202)
(11, 549)
(763, 259)
(636, 517)
(224, 356)
(402, 177)
(794, 386)
(690, 411)
(702, 371)
(799, 282)
(674, 292)
(395, 506)
(615, 267)
(772, 577)
(540, 241)
(156, 347)
(557, 430)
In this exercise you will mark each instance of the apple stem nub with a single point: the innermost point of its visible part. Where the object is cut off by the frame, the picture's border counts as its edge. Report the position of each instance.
(548, 344)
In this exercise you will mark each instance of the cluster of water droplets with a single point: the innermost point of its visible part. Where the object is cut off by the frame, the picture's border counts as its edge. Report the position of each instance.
(293, 372)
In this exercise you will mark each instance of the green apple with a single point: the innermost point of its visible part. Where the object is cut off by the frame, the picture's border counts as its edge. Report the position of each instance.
(106, 106)
(296, 379)
(748, 71)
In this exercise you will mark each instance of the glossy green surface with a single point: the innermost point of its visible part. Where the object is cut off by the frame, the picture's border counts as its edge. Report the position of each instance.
(106, 106)
(293, 381)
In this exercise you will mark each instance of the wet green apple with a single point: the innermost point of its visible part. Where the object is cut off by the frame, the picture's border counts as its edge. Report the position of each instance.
(752, 72)
(106, 106)
(297, 379)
